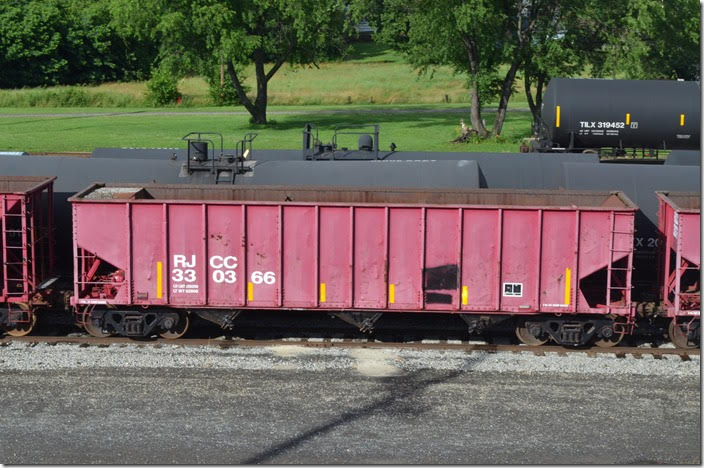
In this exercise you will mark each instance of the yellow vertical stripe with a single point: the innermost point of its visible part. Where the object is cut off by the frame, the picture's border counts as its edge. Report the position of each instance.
(568, 285)
(250, 291)
(465, 295)
(392, 293)
(159, 280)
(681, 120)
(628, 119)
(322, 292)
(557, 116)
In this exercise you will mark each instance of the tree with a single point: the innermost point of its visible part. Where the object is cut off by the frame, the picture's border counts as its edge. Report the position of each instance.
(195, 36)
(50, 42)
(474, 37)
(643, 39)
(553, 51)
(29, 44)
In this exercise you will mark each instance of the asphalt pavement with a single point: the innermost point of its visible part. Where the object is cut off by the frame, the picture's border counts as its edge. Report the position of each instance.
(310, 414)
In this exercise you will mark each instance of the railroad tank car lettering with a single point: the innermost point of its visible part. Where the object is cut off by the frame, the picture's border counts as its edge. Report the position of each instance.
(609, 125)
(646, 242)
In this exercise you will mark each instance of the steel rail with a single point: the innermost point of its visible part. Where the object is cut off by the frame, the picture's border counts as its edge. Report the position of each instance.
(618, 351)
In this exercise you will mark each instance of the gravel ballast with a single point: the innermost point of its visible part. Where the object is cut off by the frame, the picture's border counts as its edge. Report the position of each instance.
(367, 361)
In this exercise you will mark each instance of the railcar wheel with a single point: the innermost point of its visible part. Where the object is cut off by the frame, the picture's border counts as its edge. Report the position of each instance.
(678, 337)
(179, 330)
(93, 330)
(523, 333)
(23, 329)
(610, 342)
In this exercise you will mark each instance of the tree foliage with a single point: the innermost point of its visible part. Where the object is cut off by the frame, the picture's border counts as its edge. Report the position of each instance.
(538, 39)
(474, 37)
(49, 42)
(201, 34)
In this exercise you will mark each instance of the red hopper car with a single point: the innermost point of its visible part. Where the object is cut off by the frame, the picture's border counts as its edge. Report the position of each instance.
(680, 263)
(26, 247)
(559, 263)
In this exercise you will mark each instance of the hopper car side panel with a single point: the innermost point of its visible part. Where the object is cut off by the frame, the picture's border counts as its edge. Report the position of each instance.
(354, 256)
(680, 253)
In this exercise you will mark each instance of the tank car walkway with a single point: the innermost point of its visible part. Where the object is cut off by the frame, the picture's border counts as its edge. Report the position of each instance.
(132, 404)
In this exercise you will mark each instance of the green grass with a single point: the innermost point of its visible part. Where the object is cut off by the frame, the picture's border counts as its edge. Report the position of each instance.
(414, 131)
(370, 74)
(371, 77)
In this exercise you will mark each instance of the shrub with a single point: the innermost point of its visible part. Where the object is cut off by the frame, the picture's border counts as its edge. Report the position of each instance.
(162, 88)
(225, 95)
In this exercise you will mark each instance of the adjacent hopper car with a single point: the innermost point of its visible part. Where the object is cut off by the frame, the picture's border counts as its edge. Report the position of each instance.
(26, 246)
(680, 262)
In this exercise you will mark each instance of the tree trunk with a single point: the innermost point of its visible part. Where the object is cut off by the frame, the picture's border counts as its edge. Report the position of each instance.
(536, 104)
(475, 112)
(506, 88)
(256, 109)
(239, 89)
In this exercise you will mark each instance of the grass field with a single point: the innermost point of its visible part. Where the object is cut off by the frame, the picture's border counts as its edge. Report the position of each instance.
(372, 78)
(371, 74)
(428, 130)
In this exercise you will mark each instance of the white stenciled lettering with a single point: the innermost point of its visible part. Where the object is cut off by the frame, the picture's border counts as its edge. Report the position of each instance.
(224, 268)
(218, 261)
(180, 261)
(259, 277)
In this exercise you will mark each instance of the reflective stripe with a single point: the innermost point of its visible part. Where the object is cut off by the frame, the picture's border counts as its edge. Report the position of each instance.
(392, 293)
(159, 280)
(628, 119)
(322, 292)
(250, 291)
(681, 120)
(465, 295)
(568, 281)
(557, 116)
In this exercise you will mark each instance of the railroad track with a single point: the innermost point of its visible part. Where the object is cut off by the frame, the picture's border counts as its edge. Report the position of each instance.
(618, 351)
